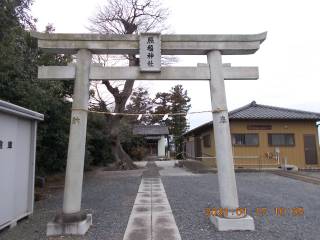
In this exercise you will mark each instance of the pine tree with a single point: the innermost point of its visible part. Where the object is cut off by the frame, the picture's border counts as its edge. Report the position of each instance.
(140, 103)
(178, 123)
(177, 101)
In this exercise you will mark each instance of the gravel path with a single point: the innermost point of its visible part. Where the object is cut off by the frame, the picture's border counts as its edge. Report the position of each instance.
(109, 196)
(189, 196)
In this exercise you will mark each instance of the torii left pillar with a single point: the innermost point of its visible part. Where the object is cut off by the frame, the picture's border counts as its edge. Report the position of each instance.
(73, 220)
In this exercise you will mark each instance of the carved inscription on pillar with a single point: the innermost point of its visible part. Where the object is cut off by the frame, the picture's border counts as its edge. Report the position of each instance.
(150, 52)
(75, 120)
(223, 120)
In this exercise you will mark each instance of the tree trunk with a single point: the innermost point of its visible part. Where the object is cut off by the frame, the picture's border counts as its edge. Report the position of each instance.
(113, 121)
(122, 158)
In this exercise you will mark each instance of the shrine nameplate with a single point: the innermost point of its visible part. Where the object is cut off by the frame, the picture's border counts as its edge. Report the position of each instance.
(150, 52)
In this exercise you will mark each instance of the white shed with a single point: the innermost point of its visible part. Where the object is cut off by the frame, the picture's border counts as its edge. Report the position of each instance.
(18, 128)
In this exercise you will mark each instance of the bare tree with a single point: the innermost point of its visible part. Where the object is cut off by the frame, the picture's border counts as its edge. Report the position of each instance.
(125, 17)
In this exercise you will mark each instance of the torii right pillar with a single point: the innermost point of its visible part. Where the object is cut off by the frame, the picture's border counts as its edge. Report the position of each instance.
(226, 175)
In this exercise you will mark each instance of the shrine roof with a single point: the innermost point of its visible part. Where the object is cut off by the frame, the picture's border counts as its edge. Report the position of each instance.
(150, 129)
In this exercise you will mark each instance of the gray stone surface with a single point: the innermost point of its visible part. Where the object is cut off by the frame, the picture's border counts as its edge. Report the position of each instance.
(56, 72)
(164, 37)
(77, 137)
(226, 175)
(170, 44)
(77, 228)
(227, 224)
(133, 73)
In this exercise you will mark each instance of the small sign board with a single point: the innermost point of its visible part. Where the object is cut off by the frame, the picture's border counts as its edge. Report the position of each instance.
(150, 52)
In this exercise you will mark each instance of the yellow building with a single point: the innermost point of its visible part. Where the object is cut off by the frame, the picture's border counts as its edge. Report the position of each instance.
(262, 136)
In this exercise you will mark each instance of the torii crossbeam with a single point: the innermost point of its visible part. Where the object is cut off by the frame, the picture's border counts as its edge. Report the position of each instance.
(75, 221)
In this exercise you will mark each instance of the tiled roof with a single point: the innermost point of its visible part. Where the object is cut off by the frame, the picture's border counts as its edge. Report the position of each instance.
(258, 111)
(151, 129)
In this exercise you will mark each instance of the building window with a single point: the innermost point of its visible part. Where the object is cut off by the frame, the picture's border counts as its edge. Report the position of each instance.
(245, 139)
(281, 139)
(1, 144)
(206, 141)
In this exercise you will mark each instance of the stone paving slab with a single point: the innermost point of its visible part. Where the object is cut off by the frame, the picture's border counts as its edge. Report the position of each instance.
(159, 194)
(161, 208)
(141, 209)
(161, 201)
(151, 216)
(142, 200)
(145, 189)
(135, 233)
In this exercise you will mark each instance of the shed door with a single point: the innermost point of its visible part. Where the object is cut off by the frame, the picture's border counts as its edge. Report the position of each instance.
(310, 149)
(22, 167)
(8, 132)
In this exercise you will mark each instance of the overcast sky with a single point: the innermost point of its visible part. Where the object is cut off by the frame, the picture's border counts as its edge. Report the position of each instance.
(288, 60)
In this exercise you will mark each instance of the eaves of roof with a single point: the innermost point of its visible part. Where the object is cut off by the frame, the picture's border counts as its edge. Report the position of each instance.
(259, 111)
(254, 111)
(150, 130)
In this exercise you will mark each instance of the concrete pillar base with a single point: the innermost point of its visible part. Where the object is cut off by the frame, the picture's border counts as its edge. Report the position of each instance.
(226, 224)
(55, 228)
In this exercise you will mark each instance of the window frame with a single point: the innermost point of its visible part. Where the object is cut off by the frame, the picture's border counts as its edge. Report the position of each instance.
(281, 145)
(207, 143)
(245, 145)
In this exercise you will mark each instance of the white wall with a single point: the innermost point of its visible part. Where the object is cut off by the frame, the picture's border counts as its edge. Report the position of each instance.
(16, 167)
(161, 146)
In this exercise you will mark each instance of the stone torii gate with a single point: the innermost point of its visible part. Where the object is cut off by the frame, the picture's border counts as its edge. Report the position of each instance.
(150, 46)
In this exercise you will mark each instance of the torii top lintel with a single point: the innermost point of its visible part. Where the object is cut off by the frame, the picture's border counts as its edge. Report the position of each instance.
(129, 44)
